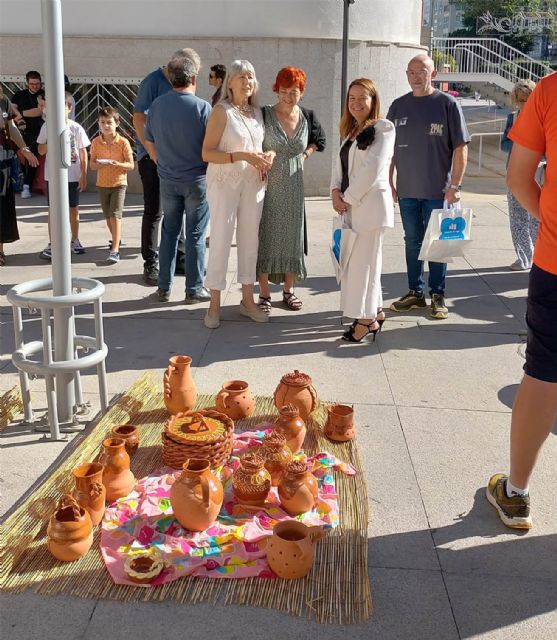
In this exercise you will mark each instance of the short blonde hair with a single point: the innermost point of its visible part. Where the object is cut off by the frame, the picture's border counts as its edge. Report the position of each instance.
(522, 88)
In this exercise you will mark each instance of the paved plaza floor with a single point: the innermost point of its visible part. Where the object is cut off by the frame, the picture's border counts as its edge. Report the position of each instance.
(432, 402)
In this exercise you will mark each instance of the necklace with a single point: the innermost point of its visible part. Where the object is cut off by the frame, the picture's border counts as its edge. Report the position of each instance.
(247, 109)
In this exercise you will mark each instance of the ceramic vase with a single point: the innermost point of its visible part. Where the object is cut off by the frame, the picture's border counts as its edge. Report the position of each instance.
(70, 530)
(291, 426)
(235, 400)
(180, 392)
(296, 388)
(130, 434)
(276, 454)
(89, 490)
(196, 496)
(291, 548)
(117, 476)
(340, 423)
(297, 488)
(251, 482)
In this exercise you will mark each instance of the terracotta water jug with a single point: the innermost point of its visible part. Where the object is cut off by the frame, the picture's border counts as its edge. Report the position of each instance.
(89, 490)
(130, 434)
(180, 392)
(276, 454)
(69, 531)
(235, 400)
(117, 476)
(340, 423)
(296, 388)
(291, 426)
(297, 488)
(251, 482)
(291, 548)
(196, 496)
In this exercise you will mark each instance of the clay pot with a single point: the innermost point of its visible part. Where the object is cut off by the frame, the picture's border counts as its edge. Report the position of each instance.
(340, 423)
(117, 477)
(291, 426)
(180, 392)
(89, 490)
(291, 548)
(196, 496)
(297, 488)
(70, 530)
(235, 400)
(251, 482)
(130, 434)
(296, 388)
(276, 454)
(143, 568)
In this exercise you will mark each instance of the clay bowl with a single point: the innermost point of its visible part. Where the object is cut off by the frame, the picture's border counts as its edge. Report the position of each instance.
(130, 434)
(143, 568)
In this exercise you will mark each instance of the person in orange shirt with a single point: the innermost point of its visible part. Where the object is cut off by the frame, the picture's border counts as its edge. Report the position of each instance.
(112, 158)
(535, 407)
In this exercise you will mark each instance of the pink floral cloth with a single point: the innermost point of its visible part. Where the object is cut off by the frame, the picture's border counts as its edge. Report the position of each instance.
(233, 547)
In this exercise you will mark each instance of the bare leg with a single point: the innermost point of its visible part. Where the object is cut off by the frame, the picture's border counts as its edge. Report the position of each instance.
(264, 290)
(116, 230)
(360, 331)
(74, 222)
(247, 297)
(289, 282)
(214, 305)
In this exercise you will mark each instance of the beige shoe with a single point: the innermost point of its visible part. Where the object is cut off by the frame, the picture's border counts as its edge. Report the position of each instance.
(257, 314)
(210, 322)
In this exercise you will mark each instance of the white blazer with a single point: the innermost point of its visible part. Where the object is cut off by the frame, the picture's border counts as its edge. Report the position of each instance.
(369, 193)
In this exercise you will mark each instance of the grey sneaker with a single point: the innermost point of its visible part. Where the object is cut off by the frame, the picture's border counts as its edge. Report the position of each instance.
(46, 253)
(438, 310)
(163, 294)
(114, 257)
(513, 511)
(201, 295)
(411, 300)
(77, 247)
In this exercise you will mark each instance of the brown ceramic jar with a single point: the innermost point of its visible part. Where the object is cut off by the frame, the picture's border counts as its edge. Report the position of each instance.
(70, 531)
(235, 400)
(296, 388)
(291, 426)
(130, 434)
(276, 454)
(251, 482)
(180, 393)
(297, 488)
(340, 423)
(291, 549)
(117, 476)
(89, 490)
(196, 496)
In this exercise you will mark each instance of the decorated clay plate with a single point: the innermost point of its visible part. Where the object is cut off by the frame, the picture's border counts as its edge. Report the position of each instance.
(189, 430)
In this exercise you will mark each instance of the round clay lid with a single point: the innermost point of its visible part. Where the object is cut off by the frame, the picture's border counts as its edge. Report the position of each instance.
(296, 379)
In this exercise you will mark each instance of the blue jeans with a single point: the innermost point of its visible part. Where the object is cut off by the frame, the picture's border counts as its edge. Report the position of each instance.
(415, 214)
(187, 198)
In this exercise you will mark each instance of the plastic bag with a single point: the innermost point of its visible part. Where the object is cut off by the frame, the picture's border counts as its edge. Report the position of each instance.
(447, 234)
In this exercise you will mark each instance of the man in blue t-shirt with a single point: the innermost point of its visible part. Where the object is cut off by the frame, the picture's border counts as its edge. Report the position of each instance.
(174, 135)
(155, 84)
(430, 160)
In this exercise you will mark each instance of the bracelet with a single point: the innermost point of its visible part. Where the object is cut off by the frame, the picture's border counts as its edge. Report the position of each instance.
(231, 157)
(306, 155)
(25, 149)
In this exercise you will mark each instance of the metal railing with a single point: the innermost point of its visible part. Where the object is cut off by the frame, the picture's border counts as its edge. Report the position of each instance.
(481, 137)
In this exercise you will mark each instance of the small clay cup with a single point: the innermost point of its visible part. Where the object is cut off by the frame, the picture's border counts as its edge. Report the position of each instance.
(130, 434)
(340, 423)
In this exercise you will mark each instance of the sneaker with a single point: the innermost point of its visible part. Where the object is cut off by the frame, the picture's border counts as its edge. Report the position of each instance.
(201, 295)
(46, 253)
(77, 247)
(151, 274)
(411, 300)
(163, 294)
(518, 266)
(26, 192)
(438, 310)
(114, 257)
(513, 511)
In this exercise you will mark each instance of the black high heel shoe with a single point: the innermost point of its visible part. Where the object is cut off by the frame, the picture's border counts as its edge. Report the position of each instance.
(380, 321)
(349, 335)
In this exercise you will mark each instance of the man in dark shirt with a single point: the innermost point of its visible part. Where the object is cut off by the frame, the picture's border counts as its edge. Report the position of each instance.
(26, 100)
(217, 74)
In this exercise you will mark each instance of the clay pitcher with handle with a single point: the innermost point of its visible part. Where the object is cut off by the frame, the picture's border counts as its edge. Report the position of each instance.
(235, 400)
(291, 549)
(180, 392)
(89, 490)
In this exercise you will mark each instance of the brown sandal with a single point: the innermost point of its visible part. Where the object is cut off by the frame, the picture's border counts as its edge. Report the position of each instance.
(291, 301)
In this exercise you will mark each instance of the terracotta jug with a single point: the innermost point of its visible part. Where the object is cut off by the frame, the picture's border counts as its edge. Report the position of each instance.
(117, 476)
(251, 482)
(70, 530)
(180, 392)
(196, 496)
(297, 488)
(130, 434)
(89, 490)
(291, 548)
(340, 423)
(291, 426)
(296, 388)
(235, 400)
(276, 454)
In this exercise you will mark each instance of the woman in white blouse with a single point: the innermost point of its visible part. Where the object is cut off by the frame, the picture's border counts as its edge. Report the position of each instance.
(235, 188)
(361, 194)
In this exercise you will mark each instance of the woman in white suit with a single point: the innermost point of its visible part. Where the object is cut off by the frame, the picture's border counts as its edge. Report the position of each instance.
(360, 192)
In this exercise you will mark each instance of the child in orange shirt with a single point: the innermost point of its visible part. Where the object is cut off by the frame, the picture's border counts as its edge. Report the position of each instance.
(111, 157)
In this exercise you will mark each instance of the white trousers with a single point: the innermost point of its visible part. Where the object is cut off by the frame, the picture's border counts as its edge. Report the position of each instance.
(360, 286)
(233, 206)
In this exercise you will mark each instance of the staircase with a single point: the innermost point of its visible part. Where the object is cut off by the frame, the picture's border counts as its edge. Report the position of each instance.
(471, 60)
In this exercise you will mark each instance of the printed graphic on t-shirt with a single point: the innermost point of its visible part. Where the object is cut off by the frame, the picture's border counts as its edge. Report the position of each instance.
(73, 147)
(400, 122)
(436, 129)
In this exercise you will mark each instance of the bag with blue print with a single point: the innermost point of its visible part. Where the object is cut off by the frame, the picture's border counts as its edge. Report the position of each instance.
(447, 235)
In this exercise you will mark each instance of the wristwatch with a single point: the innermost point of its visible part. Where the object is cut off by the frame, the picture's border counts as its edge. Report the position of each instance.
(456, 187)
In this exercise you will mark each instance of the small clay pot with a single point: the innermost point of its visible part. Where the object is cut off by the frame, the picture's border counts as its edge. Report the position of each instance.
(291, 549)
(297, 488)
(89, 490)
(340, 423)
(276, 454)
(291, 426)
(117, 477)
(251, 482)
(296, 388)
(143, 568)
(235, 400)
(180, 392)
(69, 531)
(130, 434)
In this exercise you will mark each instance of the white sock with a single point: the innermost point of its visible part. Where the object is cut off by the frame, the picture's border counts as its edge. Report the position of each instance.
(511, 490)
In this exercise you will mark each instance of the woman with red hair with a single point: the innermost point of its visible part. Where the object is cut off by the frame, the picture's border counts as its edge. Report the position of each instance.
(292, 134)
